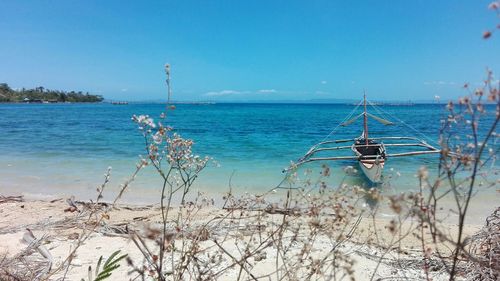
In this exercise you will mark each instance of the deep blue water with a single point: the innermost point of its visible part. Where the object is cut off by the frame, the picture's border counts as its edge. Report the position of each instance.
(67, 147)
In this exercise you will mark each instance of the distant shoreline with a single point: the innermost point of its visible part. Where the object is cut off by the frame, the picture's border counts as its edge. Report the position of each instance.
(43, 95)
(51, 102)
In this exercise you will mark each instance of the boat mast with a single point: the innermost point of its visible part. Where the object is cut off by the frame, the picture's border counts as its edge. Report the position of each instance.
(365, 119)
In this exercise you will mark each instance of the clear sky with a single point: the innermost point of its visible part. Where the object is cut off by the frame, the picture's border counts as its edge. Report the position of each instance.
(249, 50)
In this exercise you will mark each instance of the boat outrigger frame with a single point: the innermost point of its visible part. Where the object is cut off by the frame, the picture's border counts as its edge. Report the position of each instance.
(319, 147)
(370, 152)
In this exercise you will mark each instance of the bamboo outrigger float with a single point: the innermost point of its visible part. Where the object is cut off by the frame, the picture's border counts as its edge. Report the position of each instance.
(370, 152)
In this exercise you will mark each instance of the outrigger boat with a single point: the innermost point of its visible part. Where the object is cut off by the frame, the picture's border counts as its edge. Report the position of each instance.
(370, 152)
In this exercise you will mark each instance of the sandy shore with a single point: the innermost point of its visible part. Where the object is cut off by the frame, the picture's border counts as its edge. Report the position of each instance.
(372, 247)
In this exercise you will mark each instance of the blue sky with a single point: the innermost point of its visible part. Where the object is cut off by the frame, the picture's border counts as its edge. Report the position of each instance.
(249, 50)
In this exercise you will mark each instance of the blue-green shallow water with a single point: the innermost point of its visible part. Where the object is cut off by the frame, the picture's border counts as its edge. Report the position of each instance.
(66, 148)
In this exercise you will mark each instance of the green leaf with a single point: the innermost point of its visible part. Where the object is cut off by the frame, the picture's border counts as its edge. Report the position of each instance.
(111, 258)
(109, 266)
(97, 267)
(102, 277)
(117, 260)
(90, 273)
(109, 269)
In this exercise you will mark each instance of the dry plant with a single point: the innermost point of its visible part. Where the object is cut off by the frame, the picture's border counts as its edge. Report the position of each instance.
(485, 248)
(301, 237)
(173, 160)
(467, 165)
(35, 262)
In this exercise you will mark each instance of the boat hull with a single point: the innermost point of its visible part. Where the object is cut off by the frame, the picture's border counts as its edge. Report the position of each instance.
(372, 169)
(371, 158)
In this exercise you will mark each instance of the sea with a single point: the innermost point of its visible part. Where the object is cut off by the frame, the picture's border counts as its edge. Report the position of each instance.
(65, 149)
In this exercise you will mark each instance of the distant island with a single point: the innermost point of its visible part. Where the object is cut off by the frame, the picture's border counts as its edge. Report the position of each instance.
(42, 95)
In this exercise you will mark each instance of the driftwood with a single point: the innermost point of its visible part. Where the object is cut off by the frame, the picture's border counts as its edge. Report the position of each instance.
(35, 243)
(72, 206)
(65, 223)
(120, 230)
(8, 199)
(26, 265)
(275, 211)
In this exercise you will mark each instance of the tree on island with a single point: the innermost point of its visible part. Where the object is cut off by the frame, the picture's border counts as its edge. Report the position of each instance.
(40, 94)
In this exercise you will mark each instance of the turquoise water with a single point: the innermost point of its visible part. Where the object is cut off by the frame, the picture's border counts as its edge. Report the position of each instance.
(66, 148)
